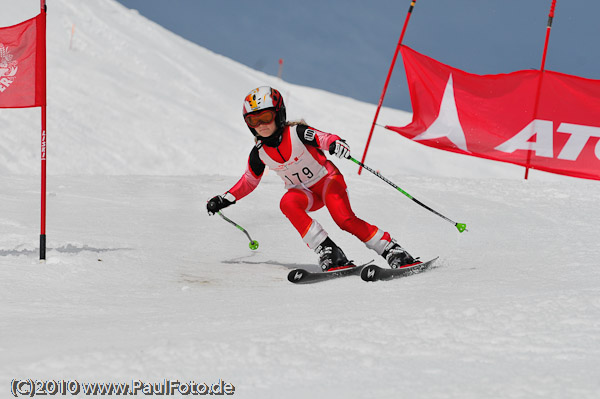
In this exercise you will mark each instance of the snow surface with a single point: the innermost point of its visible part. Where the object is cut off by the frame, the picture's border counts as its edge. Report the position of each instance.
(140, 284)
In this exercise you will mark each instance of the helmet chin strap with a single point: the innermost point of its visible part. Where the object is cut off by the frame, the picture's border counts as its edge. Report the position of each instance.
(273, 140)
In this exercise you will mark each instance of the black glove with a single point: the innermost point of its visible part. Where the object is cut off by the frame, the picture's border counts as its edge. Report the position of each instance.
(215, 204)
(340, 149)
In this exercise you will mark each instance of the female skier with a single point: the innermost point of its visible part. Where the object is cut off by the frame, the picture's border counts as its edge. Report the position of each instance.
(295, 152)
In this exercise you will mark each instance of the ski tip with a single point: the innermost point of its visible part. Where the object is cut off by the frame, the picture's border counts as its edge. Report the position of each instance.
(296, 275)
(370, 273)
(376, 273)
(461, 227)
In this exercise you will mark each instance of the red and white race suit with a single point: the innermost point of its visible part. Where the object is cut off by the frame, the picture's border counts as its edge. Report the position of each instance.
(312, 181)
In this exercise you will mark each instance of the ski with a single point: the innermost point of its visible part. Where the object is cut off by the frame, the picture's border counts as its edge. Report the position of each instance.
(302, 276)
(376, 273)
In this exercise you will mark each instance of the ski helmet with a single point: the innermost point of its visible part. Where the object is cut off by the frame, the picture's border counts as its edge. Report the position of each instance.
(262, 98)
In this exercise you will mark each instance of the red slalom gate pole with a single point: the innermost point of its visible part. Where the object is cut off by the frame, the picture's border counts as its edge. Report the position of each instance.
(387, 81)
(43, 189)
(542, 68)
(548, 28)
(43, 150)
(280, 70)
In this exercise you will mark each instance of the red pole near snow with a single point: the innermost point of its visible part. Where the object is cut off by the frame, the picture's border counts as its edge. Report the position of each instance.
(42, 53)
(542, 68)
(387, 81)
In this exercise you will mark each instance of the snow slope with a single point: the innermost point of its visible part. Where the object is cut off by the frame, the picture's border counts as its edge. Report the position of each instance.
(140, 284)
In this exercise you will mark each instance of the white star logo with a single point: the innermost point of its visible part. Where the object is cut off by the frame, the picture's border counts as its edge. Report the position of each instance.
(447, 123)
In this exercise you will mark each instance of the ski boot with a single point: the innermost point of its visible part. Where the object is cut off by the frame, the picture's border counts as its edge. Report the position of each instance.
(397, 257)
(331, 257)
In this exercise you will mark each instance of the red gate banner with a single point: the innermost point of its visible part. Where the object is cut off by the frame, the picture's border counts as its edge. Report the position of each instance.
(544, 120)
(22, 64)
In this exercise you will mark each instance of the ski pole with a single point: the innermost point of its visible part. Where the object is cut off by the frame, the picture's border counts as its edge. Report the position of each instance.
(460, 226)
(253, 243)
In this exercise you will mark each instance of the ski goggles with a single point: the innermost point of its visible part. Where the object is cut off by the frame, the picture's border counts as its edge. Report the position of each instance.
(259, 118)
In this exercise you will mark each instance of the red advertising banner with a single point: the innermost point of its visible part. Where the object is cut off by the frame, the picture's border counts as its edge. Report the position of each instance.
(23, 64)
(544, 120)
